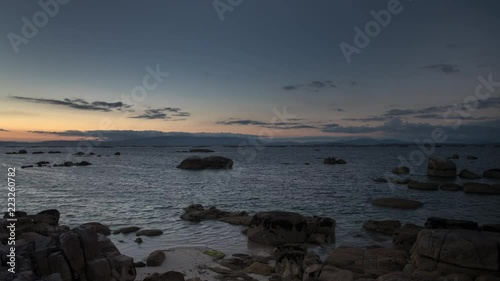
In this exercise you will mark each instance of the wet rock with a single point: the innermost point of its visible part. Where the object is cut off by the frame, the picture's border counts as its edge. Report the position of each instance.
(156, 258)
(385, 226)
(492, 173)
(310, 258)
(469, 252)
(70, 245)
(491, 227)
(482, 188)
(79, 153)
(56, 263)
(211, 162)
(89, 241)
(466, 174)
(37, 152)
(400, 203)
(127, 230)
(201, 150)
(423, 185)
(404, 237)
(98, 270)
(138, 240)
(401, 170)
(83, 163)
(277, 228)
(27, 166)
(117, 154)
(330, 273)
(22, 151)
(330, 161)
(149, 232)
(99, 227)
(197, 213)
(341, 161)
(51, 217)
(55, 152)
(438, 167)
(106, 247)
(442, 223)
(289, 261)
(312, 272)
(139, 264)
(259, 269)
(167, 276)
(450, 187)
(122, 268)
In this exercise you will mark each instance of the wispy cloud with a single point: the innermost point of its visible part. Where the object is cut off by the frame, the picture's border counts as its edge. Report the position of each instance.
(443, 67)
(162, 113)
(79, 104)
(3, 130)
(271, 125)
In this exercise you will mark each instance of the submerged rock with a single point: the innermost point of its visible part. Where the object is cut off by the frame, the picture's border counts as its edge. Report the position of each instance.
(330, 161)
(492, 173)
(482, 188)
(401, 170)
(400, 203)
(450, 187)
(438, 167)
(466, 174)
(149, 232)
(211, 162)
(423, 185)
(442, 223)
(385, 226)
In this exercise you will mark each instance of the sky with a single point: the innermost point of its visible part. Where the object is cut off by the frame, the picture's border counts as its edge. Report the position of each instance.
(290, 69)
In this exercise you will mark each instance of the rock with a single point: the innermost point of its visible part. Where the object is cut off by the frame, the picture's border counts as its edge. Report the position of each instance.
(466, 174)
(380, 180)
(442, 223)
(450, 187)
(331, 273)
(99, 227)
(289, 259)
(89, 241)
(472, 157)
(320, 230)
(455, 277)
(488, 278)
(404, 237)
(106, 247)
(22, 151)
(277, 228)
(138, 240)
(51, 217)
(55, 152)
(491, 227)
(469, 252)
(42, 163)
(312, 272)
(117, 153)
(68, 164)
(122, 268)
(235, 263)
(400, 180)
(201, 150)
(70, 245)
(492, 173)
(79, 153)
(211, 162)
(259, 269)
(58, 264)
(197, 213)
(423, 185)
(139, 264)
(27, 166)
(400, 203)
(330, 161)
(98, 270)
(401, 170)
(438, 167)
(167, 276)
(156, 258)
(367, 263)
(310, 258)
(83, 163)
(482, 188)
(126, 230)
(238, 220)
(385, 226)
(341, 161)
(149, 232)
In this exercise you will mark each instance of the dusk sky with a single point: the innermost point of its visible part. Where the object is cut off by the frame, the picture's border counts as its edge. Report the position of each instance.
(231, 71)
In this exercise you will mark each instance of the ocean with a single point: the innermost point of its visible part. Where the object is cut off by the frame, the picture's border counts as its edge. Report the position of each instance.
(142, 187)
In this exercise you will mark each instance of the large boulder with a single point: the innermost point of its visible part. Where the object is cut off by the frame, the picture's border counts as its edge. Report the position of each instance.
(156, 258)
(482, 188)
(466, 174)
(277, 228)
(384, 226)
(197, 213)
(442, 223)
(469, 252)
(99, 227)
(50, 217)
(211, 162)
(404, 237)
(492, 173)
(399, 203)
(367, 263)
(289, 260)
(439, 167)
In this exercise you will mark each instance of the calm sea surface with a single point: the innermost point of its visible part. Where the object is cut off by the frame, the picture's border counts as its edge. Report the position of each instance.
(143, 187)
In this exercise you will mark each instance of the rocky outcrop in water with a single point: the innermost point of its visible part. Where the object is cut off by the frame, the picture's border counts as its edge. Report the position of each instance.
(211, 162)
(466, 174)
(492, 173)
(197, 213)
(400, 203)
(481, 188)
(439, 167)
(46, 250)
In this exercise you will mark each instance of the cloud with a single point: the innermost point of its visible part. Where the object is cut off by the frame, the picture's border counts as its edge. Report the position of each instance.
(443, 67)
(162, 113)
(3, 130)
(272, 125)
(78, 103)
(367, 119)
(315, 86)
(479, 131)
(103, 135)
